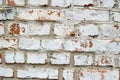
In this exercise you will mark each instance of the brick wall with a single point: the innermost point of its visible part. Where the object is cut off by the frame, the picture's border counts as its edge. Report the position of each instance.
(59, 40)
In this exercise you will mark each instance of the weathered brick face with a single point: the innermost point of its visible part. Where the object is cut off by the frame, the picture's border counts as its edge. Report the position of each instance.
(59, 39)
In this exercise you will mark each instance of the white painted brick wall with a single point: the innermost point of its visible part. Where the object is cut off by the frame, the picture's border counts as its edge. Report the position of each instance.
(91, 74)
(43, 73)
(68, 74)
(36, 58)
(53, 44)
(37, 2)
(83, 3)
(39, 14)
(60, 58)
(89, 15)
(29, 43)
(15, 2)
(14, 57)
(6, 72)
(82, 60)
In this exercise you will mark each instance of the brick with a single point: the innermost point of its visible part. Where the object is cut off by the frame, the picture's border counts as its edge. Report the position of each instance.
(110, 30)
(36, 58)
(2, 28)
(14, 57)
(39, 28)
(29, 43)
(104, 60)
(88, 30)
(6, 72)
(106, 3)
(38, 14)
(60, 58)
(8, 43)
(38, 3)
(15, 2)
(68, 74)
(53, 44)
(83, 60)
(42, 73)
(116, 16)
(7, 14)
(61, 3)
(91, 45)
(85, 3)
(1, 2)
(91, 74)
(15, 28)
(64, 31)
(89, 15)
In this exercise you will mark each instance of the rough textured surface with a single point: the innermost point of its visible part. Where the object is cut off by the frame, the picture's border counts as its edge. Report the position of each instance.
(59, 39)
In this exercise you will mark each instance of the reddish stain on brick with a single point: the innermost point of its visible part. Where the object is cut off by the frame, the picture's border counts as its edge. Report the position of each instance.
(116, 26)
(90, 44)
(1, 24)
(72, 34)
(0, 56)
(50, 12)
(11, 2)
(104, 60)
(7, 40)
(58, 14)
(81, 73)
(84, 45)
(15, 29)
(102, 74)
(31, 11)
(88, 5)
(75, 41)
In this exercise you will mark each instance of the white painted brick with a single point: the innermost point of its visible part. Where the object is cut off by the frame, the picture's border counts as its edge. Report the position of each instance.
(42, 73)
(39, 28)
(104, 60)
(6, 72)
(88, 30)
(1, 2)
(29, 43)
(116, 16)
(62, 30)
(37, 2)
(7, 13)
(36, 58)
(15, 2)
(91, 45)
(85, 14)
(61, 3)
(106, 3)
(110, 30)
(15, 28)
(14, 57)
(113, 46)
(90, 74)
(81, 60)
(83, 3)
(38, 14)
(68, 74)
(60, 58)
(2, 28)
(8, 43)
(53, 44)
